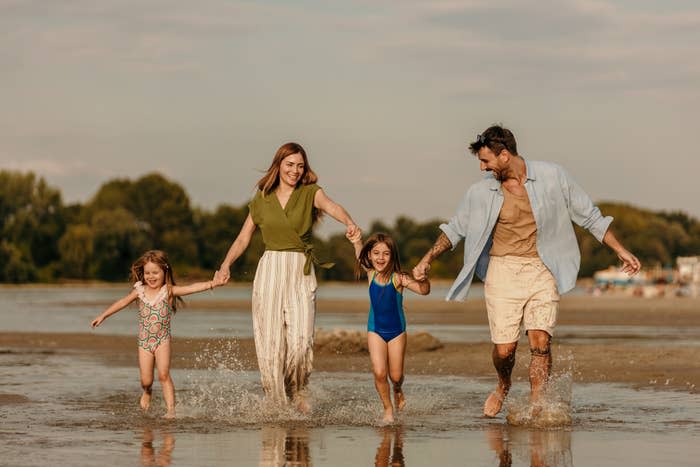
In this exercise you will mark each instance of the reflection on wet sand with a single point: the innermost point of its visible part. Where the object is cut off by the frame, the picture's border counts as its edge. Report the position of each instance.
(284, 447)
(163, 456)
(543, 448)
(385, 457)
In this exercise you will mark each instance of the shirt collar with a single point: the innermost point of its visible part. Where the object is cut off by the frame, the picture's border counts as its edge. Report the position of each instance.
(495, 185)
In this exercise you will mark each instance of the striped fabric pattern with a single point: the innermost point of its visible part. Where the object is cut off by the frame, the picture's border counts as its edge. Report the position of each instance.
(284, 309)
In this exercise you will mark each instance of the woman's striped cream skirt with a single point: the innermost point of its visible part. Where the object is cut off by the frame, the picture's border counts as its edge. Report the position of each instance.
(284, 308)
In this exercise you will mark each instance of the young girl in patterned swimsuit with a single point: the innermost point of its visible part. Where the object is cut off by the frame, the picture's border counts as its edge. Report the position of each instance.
(386, 325)
(157, 294)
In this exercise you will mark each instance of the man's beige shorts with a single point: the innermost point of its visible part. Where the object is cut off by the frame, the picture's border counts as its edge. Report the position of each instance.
(519, 290)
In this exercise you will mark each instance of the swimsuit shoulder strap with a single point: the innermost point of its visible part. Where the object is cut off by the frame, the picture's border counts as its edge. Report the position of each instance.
(396, 281)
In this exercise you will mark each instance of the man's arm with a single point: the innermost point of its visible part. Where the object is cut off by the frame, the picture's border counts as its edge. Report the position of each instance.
(442, 244)
(630, 264)
(584, 213)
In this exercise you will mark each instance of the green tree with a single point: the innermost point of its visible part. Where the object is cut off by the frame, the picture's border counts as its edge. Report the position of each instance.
(162, 204)
(337, 250)
(118, 239)
(14, 265)
(77, 250)
(31, 217)
(113, 194)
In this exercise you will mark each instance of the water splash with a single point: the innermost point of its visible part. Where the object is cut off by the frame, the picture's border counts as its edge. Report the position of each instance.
(221, 392)
(553, 409)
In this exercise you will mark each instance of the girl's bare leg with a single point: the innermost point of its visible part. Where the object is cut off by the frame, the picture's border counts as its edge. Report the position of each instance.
(146, 360)
(396, 354)
(378, 357)
(166, 382)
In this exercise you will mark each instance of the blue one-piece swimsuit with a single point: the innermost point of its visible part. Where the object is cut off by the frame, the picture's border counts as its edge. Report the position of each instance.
(386, 316)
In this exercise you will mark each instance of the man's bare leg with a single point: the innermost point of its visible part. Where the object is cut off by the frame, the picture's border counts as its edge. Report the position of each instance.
(540, 363)
(503, 360)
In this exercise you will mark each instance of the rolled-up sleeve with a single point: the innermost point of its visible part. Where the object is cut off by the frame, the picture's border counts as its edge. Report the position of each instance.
(581, 208)
(456, 228)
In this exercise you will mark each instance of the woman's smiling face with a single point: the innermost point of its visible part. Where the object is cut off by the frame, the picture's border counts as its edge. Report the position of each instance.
(292, 169)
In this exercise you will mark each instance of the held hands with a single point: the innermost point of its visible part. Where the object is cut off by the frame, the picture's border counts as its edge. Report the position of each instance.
(351, 230)
(420, 272)
(221, 276)
(219, 279)
(355, 237)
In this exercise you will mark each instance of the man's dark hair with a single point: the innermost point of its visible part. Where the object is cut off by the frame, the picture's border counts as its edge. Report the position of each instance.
(496, 138)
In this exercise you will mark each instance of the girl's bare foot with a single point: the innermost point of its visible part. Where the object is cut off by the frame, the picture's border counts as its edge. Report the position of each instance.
(399, 399)
(145, 401)
(388, 417)
(170, 414)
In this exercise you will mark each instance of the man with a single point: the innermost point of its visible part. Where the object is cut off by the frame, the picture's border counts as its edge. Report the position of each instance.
(519, 239)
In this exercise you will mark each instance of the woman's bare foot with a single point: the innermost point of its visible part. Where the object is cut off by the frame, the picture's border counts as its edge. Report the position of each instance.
(145, 401)
(303, 405)
(170, 414)
(494, 402)
(399, 399)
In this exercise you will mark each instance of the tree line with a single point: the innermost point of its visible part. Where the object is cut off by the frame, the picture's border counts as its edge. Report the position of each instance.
(44, 240)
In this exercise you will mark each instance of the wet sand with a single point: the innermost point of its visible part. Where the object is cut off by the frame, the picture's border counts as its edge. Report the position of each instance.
(659, 366)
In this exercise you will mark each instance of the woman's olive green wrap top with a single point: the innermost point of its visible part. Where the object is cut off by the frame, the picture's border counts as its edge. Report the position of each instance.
(287, 229)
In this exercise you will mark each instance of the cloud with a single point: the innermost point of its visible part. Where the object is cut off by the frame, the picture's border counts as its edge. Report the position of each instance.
(523, 45)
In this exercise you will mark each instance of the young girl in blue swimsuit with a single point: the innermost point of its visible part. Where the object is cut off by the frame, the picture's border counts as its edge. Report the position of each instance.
(386, 325)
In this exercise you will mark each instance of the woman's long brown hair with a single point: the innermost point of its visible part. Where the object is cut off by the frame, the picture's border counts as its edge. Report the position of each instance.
(271, 179)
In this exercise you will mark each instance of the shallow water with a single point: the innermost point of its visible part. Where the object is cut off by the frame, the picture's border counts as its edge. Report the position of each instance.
(71, 309)
(69, 409)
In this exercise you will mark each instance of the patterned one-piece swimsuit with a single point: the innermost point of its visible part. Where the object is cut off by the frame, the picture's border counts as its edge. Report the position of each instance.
(154, 318)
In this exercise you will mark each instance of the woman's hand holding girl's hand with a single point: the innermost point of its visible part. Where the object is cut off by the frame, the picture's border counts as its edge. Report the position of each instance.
(354, 237)
(351, 229)
(224, 274)
(218, 279)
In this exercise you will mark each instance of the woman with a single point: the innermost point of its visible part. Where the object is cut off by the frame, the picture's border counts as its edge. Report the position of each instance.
(285, 207)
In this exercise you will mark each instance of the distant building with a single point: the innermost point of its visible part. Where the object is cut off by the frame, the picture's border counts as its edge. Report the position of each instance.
(614, 276)
(689, 274)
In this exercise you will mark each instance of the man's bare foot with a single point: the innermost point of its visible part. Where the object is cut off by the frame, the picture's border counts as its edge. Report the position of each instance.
(536, 401)
(145, 401)
(388, 417)
(399, 399)
(494, 402)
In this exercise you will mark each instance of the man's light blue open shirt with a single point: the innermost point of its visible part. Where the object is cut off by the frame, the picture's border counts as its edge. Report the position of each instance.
(556, 200)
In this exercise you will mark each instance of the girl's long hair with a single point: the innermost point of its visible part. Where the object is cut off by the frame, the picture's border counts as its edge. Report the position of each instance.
(364, 262)
(160, 259)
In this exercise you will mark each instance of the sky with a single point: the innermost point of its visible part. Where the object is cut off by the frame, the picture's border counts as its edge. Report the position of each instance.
(383, 95)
